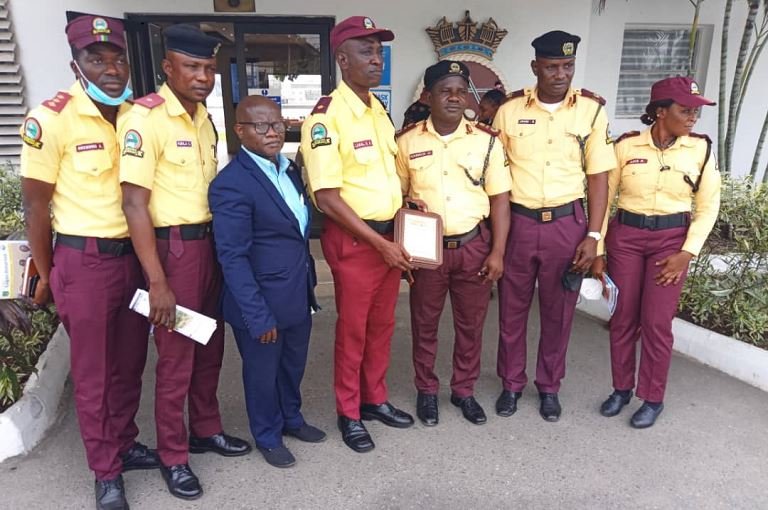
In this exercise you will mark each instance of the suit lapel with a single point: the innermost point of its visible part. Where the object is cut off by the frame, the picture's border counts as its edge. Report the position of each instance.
(257, 173)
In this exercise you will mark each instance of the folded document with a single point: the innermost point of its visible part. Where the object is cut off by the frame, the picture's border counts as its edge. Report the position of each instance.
(189, 323)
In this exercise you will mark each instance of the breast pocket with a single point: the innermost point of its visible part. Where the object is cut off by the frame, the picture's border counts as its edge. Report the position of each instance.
(423, 170)
(681, 180)
(521, 140)
(90, 167)
(472, 166)
(574, 147)
(185, 167)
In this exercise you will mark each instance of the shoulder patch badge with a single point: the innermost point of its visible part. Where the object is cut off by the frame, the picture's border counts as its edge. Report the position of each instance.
(516, 94)
(319, 134)
(629, 134)
(132, 144)
(32, 133)
(57, 102)
(593, 96)
(322, 105)
(150, 101)
(608, 137)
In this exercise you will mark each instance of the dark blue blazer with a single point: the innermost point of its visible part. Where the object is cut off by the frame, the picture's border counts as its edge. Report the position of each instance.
(269, 275)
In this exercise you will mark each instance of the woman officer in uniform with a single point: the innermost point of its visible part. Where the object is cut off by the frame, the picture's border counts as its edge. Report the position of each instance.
(663, 174)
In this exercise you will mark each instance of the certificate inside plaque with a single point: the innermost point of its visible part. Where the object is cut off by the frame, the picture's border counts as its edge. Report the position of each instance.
(421, 234)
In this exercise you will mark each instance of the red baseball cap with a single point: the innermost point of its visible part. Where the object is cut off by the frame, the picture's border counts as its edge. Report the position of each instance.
(86, 30)
(680, 89)
(357, 26)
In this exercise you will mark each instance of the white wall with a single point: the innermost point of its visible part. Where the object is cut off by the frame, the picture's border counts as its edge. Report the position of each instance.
(45, 54)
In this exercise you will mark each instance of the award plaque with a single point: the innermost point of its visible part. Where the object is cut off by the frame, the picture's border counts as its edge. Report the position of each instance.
(421, 234)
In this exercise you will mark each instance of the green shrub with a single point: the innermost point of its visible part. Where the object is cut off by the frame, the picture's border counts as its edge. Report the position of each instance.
(24, 333)
(727, 288)
(11, 219)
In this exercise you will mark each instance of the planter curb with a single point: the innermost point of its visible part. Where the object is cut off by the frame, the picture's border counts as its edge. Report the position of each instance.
(24, 424)
(733, 357)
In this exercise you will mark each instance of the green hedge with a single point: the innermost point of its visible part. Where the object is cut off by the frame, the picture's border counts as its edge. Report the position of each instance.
(727, 287)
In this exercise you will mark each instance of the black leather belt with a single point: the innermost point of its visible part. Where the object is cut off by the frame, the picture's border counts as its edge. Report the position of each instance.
(457, 241)
(545, 215)
(659, 222)
(188, 232)
(381, 227)
(115, 247)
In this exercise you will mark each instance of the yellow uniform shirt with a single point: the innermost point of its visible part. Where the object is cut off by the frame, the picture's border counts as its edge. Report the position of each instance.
(435, 170)
(351, 146)
(166, 151)
(69, 144)
(644, 188)
(544, 147)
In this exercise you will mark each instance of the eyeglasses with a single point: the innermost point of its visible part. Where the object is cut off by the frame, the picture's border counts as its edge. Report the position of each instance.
(262, 128)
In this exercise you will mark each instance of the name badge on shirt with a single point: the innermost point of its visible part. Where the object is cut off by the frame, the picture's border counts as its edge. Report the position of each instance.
(84, 147)
(526, 121)
(637, 161)
(183, 143)
(421, 154)
(362, 144)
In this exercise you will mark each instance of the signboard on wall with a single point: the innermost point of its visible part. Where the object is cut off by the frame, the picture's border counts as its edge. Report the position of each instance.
(384, 90)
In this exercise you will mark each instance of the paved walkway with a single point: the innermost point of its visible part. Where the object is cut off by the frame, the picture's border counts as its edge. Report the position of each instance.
(709, 449)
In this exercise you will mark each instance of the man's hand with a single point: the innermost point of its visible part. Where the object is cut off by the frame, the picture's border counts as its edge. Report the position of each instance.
(422, 205)
(586, 252)
(162, 306)
(598, 268)
(493, 267)
(394, 255)
(42, 293)
(671, 268)
(269, 337)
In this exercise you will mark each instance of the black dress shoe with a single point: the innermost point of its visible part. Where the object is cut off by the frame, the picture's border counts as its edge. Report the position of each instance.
(506, 404)
(550, 406)
(221, 443)
(140, 457)
(615, 403)
(110, 494)
(387, 414)
(280, 457)
(426, 409)
(470, 409)
(355, 435)
(646, 416)
(307, 433)
(181, 481)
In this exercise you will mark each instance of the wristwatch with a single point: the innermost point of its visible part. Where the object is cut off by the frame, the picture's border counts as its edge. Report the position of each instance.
(595, 235)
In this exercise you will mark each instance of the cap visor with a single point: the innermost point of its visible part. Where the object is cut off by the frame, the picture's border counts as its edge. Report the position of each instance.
(84, 42)
(694, 101)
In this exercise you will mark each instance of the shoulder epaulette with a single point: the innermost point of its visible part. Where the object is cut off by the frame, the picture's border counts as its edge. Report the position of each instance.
(150, 101)
(596, 97)
(516, 94)
(626, 135)
(486, 129)
(701, 135)
(322, 105)
(407, 128)
(58, 102)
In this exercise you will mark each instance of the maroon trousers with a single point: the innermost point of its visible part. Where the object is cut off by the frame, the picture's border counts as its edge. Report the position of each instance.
(469, 302)
(644, 310)
(543, 252)
(108, 348)
(186, 370)
(366, 291)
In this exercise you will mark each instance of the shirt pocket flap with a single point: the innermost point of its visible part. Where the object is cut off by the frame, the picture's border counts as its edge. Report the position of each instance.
(419, 161)
(92, 162)
(179, 156)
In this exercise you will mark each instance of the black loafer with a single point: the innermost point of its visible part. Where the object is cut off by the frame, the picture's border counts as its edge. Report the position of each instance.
(470, 409)
(221, 443)
(307, 433)
(280, 457)
(615, 403)
(506, 404)
(387, 414)
(550, 406)
(426, 409)
(645, 416)
(181, 481)
(355, 435)
(140, 457)
(110, 494)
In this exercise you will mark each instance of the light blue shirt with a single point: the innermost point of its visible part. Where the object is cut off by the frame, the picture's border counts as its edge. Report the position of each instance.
(279, 178)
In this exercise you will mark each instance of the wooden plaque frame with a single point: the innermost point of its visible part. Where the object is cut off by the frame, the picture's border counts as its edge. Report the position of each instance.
(407, 219)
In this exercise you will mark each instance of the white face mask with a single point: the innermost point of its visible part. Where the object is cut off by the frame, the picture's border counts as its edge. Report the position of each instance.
(99, 95)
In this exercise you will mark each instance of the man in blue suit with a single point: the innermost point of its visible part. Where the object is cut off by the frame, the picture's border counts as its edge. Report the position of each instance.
(260, 222)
